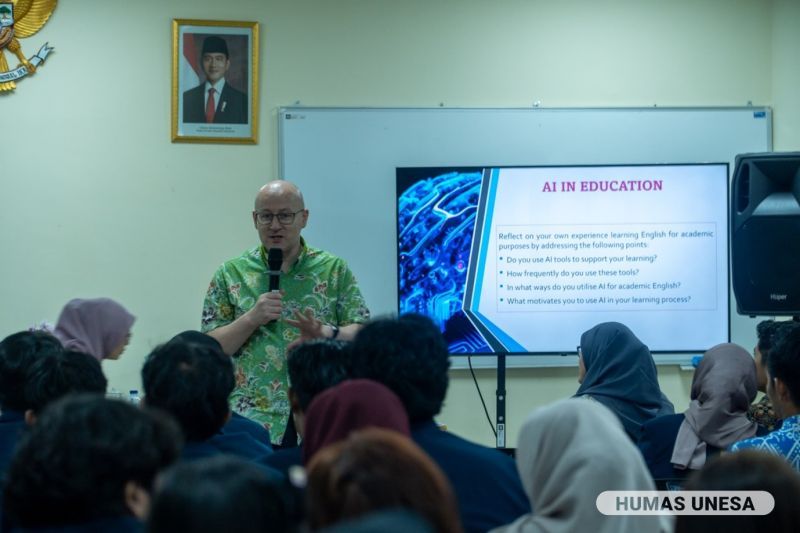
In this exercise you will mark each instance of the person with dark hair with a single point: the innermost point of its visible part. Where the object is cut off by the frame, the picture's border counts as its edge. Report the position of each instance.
(237, 422)
(723, 386)
(744, 471)
(616, 369)
(783, 388)
(349, 406)
(313, 367)
(58, 374)
(215, 100)
(762, 412)
(222, 493)
(193, 383)
(378, 469)
(89, 465)
(100, 327)
(256, 325)
(17, 353)
(409, 355)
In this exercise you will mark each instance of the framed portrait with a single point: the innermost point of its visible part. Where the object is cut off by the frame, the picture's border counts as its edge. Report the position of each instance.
(214, 81)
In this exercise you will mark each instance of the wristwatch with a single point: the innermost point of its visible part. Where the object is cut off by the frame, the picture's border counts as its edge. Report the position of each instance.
(335, 330)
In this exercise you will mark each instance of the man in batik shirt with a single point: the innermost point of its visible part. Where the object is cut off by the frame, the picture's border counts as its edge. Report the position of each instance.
(319, 297)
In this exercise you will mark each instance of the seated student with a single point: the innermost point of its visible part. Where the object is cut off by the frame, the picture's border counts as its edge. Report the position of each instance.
(349, 406)
(762, 412)
(193, 383)
(723, 386)
(409, 355)
(783, 388)
(313, 367)
(378, 469)
(17, 353)
(616, 369)
(237, 422)
(221, 493)
(568, 453)
(100, 327)
(58, 374)
(747, 470)
(89, 465)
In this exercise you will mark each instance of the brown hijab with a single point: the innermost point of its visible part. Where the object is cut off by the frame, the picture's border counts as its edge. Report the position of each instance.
(351, 405)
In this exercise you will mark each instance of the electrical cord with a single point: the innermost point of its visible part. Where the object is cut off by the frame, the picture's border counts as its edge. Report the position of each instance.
(478, 388)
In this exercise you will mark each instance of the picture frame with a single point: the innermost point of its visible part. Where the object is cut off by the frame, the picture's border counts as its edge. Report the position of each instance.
(214, 81)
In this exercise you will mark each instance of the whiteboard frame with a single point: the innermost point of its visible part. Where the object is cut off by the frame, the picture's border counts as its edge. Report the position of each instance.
(290, 146)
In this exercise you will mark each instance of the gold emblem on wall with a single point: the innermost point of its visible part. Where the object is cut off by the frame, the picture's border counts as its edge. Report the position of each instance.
(20, 19)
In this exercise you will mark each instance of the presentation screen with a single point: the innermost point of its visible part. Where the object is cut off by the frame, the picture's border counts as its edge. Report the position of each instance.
(522, 260)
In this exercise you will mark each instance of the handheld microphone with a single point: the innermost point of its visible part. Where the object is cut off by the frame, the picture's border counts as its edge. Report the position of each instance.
(274, 261)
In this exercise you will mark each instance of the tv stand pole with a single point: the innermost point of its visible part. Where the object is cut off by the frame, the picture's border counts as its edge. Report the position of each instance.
(500, 421)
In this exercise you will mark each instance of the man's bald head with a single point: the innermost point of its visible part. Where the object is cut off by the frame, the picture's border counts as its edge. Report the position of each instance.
(280, 188)
(279, 217)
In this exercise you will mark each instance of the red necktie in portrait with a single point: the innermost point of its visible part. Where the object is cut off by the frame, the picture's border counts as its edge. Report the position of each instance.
(211, 106)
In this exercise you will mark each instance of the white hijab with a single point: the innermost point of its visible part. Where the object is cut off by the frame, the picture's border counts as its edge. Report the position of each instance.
(568, 453)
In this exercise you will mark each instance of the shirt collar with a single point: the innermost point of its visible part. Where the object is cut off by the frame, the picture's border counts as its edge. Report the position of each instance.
(217, 86)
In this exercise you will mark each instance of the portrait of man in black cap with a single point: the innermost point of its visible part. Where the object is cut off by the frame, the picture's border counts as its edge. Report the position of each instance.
(214, 100)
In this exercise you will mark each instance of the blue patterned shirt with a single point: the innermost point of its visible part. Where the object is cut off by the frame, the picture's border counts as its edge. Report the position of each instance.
(784, 442)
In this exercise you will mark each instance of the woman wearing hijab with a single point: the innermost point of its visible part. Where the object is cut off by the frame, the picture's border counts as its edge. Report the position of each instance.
(567, 454)
(617, 370)
(723, 387)
(99, 326)
(351, 405)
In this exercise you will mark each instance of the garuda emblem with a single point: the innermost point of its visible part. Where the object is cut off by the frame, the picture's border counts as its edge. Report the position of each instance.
(20, 19)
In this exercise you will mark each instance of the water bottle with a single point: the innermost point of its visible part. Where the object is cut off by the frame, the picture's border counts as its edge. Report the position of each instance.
(133, 397)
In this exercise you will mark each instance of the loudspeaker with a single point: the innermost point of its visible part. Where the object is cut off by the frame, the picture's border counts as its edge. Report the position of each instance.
(765, 234)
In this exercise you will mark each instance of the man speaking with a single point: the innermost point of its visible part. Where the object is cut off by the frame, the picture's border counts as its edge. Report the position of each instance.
(318, 297)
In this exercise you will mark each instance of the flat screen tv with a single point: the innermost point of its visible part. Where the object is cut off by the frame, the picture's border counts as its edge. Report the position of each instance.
(522, 260)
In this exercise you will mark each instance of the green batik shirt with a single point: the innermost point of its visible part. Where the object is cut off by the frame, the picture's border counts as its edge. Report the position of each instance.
(319, 281)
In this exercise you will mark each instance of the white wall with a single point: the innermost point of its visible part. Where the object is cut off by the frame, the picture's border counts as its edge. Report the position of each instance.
(96, 200)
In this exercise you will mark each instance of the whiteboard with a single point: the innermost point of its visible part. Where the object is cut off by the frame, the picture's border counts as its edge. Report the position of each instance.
(344, 161)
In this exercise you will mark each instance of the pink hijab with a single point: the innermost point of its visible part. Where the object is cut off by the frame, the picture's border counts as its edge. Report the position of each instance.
(95, 326)
(723, 387)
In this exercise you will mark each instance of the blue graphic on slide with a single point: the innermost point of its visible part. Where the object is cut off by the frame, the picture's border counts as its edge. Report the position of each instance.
(436, 221)
(499, 340)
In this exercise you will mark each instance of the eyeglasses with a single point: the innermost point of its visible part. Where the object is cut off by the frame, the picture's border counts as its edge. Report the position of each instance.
(284, 219)
(578, 350)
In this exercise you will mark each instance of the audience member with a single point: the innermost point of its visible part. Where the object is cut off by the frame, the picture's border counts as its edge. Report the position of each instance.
(392, 521)
(313, 367)
(17, 353)
(568, 453)
(377, 469)
(193, 383)
(783, 388)
(723, 387)
(89, 465)
(237, 422)
(100, 327)
(222, 493)
(748, 470)
(347, 407)
(617, 370)
(762, 412)
(58, 374)
(409, 355)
